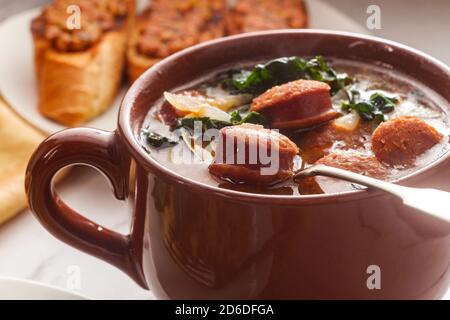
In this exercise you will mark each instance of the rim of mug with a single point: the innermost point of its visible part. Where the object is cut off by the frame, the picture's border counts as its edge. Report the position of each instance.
(136, 149)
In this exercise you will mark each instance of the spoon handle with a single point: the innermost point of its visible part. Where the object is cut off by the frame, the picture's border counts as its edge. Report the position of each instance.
(429, 201)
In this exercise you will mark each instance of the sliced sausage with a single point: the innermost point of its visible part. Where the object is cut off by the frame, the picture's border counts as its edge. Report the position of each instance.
(357, 163)
(309, 185)
(351, 161)
(401, 140)
(296, 104)
(250, 154)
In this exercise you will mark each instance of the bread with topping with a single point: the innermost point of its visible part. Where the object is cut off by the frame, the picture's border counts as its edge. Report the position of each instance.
(170, 26)
(259, 15)
(79, 70)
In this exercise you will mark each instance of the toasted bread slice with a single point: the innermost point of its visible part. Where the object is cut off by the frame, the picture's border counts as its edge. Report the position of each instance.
(169, 26)
(260, 15)
(75, 86)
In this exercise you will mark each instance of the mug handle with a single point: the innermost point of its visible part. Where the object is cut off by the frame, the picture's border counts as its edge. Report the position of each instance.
(96, 148)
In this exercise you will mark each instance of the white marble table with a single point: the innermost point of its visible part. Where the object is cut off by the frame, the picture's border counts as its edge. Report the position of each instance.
(27, 251)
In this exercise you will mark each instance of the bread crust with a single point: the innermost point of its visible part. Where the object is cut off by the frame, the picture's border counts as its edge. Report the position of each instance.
(74, 87)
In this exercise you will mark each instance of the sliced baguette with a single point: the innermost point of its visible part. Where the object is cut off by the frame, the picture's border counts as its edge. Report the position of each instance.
(175, 17)
(260, 15)
(75, 87)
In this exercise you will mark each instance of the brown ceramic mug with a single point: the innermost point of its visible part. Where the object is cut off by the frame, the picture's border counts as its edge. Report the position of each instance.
(193, 241)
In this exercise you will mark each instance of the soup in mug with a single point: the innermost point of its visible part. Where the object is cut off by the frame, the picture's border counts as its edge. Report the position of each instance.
(251, 128)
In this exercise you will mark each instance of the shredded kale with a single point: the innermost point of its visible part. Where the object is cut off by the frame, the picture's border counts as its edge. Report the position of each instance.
(207, 123)
(244, 115)
(156, 140)
(237, 117)
(251, 117)
(282, 70)
(373, 109)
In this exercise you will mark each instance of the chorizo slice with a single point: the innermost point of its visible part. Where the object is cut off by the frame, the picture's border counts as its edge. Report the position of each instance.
(296, 104)
(250, 154)
(357, 163)
(353, 161)
(399, 141)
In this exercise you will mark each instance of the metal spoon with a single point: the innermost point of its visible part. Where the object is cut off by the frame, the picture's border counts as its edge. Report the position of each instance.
(429, 201)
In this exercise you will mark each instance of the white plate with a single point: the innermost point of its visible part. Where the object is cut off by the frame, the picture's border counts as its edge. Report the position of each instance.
(18, 83)
(14, 289)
